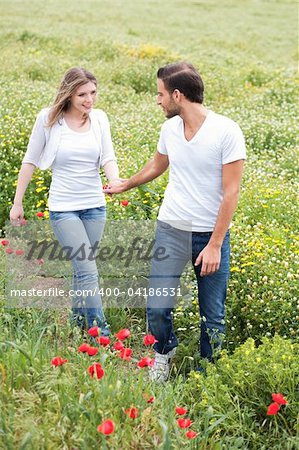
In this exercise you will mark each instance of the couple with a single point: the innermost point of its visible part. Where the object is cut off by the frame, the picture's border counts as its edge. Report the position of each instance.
(205, 152)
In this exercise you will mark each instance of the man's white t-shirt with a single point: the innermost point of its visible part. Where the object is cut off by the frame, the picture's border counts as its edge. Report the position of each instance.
(194, 191)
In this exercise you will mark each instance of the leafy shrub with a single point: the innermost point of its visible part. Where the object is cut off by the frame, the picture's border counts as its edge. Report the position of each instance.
(140, 77)
(234, 396)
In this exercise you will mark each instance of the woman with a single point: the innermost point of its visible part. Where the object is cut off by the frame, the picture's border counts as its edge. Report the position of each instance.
(75, 141)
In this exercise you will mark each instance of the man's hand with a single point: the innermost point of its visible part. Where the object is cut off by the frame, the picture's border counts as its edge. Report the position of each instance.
(209, 258)
(116, 186)
(153, 169)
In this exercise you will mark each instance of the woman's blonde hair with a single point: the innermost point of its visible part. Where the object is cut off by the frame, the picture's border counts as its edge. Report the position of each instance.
(72, 79)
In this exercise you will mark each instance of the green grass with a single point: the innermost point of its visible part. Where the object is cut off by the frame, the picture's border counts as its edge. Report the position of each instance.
(49, 407)
(246, 53)
(244, 32)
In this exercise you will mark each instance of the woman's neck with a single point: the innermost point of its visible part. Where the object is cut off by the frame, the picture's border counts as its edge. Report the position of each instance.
(75, 116)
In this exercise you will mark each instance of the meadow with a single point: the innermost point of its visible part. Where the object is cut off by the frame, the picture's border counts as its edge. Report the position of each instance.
(246, 53)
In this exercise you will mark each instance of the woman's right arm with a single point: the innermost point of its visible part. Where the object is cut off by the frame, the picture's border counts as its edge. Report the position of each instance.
(17, 212)
(35, 147)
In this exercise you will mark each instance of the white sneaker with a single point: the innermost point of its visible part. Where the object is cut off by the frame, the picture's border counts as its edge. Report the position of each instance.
(159, 372)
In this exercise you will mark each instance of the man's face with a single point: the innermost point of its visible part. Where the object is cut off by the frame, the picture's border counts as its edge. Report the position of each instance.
(165, 100)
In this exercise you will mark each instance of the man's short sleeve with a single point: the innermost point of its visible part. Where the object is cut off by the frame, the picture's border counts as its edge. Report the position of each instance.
(161, 147)
(233, 145)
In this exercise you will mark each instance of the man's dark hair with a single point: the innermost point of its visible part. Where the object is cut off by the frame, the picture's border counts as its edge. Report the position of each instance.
(184, 77)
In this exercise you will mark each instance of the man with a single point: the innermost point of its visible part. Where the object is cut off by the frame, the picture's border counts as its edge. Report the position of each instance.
(205, 152)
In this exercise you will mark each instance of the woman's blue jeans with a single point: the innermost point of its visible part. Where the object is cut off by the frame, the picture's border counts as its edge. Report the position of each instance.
(79, 233)
(180, 247)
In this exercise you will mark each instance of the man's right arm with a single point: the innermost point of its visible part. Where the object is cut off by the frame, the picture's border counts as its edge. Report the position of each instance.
(153, 169)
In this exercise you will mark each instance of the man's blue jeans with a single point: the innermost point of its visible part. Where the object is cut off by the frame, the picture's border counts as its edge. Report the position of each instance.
(182, 246)
(80, 232)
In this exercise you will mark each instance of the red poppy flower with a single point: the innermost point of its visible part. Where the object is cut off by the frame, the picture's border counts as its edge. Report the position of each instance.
(132, 412)
(123, 334)
(124, 203)
(20, 252)
(83, 348)
(273, 409)
(103, 341)
(279, 398)
(118, 345)
(181, 411)
(94, 331)
(91, 351)
(58, 361)
(106, 427)
(144, 362)
(126, 353)
(39, 262)
(184, 423)
(149, 339)
(5, 242)
(96, 370)
(9, 250)
(148, 398)
(191, 434)
(40, 214)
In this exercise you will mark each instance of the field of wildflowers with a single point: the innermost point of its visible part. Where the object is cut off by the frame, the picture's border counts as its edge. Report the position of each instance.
(60, 392)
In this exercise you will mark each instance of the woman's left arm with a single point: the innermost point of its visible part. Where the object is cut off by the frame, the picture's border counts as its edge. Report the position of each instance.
(111, 170)
(108, 159)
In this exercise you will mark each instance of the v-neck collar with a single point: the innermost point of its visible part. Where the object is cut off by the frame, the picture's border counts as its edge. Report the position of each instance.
(198, 132)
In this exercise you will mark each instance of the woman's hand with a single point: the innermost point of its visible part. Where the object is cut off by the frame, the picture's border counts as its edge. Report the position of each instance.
(16, 215)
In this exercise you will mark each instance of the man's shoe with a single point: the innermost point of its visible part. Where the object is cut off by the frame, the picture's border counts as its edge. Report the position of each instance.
(159, 372)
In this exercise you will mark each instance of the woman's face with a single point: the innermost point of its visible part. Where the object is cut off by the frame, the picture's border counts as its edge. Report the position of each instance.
(84, 98)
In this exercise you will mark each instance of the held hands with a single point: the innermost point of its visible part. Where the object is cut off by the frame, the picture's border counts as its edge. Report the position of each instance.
(16, 215)
(209, 258)
(115, 186)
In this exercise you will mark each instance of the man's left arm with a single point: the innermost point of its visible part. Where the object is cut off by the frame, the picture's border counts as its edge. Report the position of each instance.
(210, 256)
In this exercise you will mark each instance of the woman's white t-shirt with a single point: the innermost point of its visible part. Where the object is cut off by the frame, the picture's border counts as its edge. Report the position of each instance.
(194, 191)
(76, 183)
